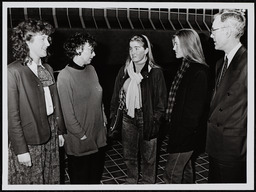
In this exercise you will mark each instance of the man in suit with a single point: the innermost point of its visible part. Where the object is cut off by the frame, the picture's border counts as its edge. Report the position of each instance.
(227, 123)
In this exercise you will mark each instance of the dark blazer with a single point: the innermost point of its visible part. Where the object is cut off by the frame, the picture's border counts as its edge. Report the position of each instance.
(227, 123)
(27, 117)
(189, 108)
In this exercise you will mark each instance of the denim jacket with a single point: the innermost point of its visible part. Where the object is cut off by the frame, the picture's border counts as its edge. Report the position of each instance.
(154, 94)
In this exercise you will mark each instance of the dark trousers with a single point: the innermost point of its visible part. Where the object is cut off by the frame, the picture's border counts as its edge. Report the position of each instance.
(134, 144)
(226, 171)
(86, 169)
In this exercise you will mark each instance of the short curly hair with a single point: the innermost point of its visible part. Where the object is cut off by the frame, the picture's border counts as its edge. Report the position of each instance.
(24, 32)
(77, 40)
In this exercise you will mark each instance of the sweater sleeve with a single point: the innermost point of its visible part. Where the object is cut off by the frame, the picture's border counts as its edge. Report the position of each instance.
(64, 87)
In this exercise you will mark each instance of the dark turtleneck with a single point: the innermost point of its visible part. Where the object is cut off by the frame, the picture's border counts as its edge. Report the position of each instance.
(76, 66)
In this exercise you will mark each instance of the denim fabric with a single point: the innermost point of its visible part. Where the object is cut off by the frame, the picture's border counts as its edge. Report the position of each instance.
(178, 168)
(134, 144)
(226, 171)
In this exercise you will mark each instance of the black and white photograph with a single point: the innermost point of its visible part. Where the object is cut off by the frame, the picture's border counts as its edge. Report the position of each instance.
(106, 95)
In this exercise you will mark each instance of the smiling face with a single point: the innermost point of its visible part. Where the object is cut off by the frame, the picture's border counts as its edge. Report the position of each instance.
(177, 47)
(38, 46)
(87, 53)
(137, 51)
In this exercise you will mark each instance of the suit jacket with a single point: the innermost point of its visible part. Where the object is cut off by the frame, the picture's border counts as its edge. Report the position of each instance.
(27, 117)
(190, 104)
(227, 123)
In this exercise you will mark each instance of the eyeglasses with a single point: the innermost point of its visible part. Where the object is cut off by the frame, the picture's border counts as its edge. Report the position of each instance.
(212, 30)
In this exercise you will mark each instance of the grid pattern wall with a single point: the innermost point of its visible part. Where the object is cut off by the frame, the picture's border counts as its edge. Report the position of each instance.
(117, 18)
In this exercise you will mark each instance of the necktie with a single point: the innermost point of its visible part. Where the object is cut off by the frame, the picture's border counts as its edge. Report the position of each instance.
(223, 71)
(44, 76)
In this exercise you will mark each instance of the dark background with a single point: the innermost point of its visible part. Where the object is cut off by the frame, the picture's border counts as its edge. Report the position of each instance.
(112, 29)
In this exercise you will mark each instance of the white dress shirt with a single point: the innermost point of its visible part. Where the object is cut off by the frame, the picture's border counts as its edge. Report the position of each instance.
(233, 52)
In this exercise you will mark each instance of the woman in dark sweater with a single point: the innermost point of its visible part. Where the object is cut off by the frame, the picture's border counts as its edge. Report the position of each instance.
(81, 101)
(186, 106)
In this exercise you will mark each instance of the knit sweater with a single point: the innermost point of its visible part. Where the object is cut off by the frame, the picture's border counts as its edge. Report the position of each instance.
(81, 102)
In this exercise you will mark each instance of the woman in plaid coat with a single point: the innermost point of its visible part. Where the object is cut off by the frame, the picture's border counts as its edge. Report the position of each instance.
(186, 106)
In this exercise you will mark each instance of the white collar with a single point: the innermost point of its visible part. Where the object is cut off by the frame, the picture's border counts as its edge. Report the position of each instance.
(33, 66)
(233, 52)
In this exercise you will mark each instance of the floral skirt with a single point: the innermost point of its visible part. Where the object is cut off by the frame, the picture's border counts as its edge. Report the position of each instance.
(45, 167)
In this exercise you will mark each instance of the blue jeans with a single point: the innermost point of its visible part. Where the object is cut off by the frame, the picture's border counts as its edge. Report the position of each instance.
(134, 144)
(178, 168)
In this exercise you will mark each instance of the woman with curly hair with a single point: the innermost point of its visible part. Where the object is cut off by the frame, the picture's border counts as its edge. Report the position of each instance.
(34, 113)
(81, 101)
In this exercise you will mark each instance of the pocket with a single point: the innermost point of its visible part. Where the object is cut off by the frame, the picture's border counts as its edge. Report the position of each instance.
(27, 130)
(234, 131)
(26, 126)
(87, 145)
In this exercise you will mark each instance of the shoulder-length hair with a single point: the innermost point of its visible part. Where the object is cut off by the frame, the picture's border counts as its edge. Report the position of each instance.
(25, 31)
(78, 40)
(143, 39)
(190, 45)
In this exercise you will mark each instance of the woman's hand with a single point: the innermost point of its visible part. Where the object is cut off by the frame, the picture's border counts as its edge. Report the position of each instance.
(25, 159)
(61, 140)
(83, 138)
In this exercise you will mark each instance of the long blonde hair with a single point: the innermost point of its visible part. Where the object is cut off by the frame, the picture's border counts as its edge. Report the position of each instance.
(190, 45)
(146, 44)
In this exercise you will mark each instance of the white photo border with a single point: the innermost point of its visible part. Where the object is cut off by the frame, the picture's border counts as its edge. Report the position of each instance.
(249, 6)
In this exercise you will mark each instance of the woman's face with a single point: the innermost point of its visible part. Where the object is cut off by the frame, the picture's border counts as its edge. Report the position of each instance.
(137, 51)
(87, 53)
(177, 48)
(38, 46)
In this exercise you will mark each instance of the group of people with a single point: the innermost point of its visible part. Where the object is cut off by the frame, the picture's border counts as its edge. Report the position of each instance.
(44, 114)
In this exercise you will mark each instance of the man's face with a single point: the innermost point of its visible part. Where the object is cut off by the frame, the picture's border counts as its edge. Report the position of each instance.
(218, 34)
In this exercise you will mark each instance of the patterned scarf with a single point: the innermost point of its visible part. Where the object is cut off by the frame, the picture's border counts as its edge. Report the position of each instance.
(175, 85)
(44, 76)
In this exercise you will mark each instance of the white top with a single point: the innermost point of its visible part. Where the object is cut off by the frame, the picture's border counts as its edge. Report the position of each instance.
(47, 94)
(232, 53)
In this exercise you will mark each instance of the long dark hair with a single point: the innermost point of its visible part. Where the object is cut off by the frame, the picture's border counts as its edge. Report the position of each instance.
(191, 45)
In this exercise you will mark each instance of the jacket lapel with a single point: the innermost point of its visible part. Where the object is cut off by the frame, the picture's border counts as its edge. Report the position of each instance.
(228, 80)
